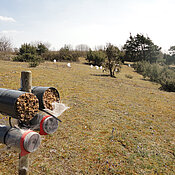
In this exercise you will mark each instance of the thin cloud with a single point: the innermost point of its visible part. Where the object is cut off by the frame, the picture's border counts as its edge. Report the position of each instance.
(7, 32)
(8, 19)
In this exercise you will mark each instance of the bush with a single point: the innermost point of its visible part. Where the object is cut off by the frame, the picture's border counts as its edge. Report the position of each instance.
(62, 55)
(168, 84)
(34, 64)
(28, 57)
(6, 55)
(65, 54)
(156, 73)
(143, 68)
(31, 54)
(96, 57)
(167, 79)
(51, 55)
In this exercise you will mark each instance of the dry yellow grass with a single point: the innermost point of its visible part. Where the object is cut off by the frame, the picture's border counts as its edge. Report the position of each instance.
(114, 125)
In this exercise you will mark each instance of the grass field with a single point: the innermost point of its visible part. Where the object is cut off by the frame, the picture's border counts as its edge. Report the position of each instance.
(122, 125)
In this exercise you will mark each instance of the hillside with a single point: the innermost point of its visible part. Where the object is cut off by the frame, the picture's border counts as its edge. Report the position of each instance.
(114, 125)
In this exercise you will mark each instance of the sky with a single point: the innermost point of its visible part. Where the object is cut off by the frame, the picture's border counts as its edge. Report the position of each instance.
(91, 22)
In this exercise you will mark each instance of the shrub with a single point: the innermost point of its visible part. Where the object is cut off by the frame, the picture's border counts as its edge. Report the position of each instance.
(143, 67)
(62, 55)
(96, 57)
(41, 49)
(27, 48)
(6, 55)
(51, 55)
(65, 54)
(33, 64)
(156, 73)
(167, 79)
(31, 54)
(28, 57)
(168, 84)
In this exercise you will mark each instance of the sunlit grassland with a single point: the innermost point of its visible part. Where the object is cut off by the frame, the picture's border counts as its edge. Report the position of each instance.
(114, 125)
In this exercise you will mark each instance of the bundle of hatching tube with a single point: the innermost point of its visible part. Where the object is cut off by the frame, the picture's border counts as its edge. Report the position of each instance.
(17, 104)
(31, 111)
(46, 96)
(24, 105)
(29, 108)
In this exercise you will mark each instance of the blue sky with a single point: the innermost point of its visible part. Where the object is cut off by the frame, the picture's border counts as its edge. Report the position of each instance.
(91, 22)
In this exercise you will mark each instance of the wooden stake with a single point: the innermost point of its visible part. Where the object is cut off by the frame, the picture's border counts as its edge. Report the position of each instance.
(26, 81)
(26, 85)
(23, 165)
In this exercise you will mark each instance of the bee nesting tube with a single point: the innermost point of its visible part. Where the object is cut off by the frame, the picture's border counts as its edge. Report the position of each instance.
(46, 96)
(26, 141)
(44, 123)
(18, 104)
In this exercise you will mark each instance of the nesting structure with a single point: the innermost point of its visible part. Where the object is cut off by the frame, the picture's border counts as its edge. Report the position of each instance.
(20, 105)
(46, 96)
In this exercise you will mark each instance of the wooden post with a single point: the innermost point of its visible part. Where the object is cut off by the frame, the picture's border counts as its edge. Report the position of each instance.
(26, 81)
(26, 85)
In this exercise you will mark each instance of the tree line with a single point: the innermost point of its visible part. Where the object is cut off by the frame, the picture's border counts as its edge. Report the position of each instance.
(137, 48)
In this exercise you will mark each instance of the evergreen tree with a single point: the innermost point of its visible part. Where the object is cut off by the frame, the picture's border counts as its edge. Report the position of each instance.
(41, 49)
(96, 57)
(170, 57)
(139, 48)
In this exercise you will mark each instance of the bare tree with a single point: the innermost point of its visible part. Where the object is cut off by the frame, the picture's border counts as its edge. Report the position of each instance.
(99, 47)
(36, 43)
(5, 44)
(68, 46)
(82, 47)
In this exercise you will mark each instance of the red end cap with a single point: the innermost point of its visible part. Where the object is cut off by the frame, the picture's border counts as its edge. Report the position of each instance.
(42, 132)
(23, 151)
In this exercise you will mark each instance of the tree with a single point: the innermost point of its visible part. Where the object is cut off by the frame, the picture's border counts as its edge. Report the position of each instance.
(172, 50)
(27, 48)
(65, 54)
(69, 47)
(96, 57)
(28, 53)
(99, 47)
(170, 57)
(5, 44)
(36, 43)
(139, 48)
(82, 47)
(113, 59)
(41, 49)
